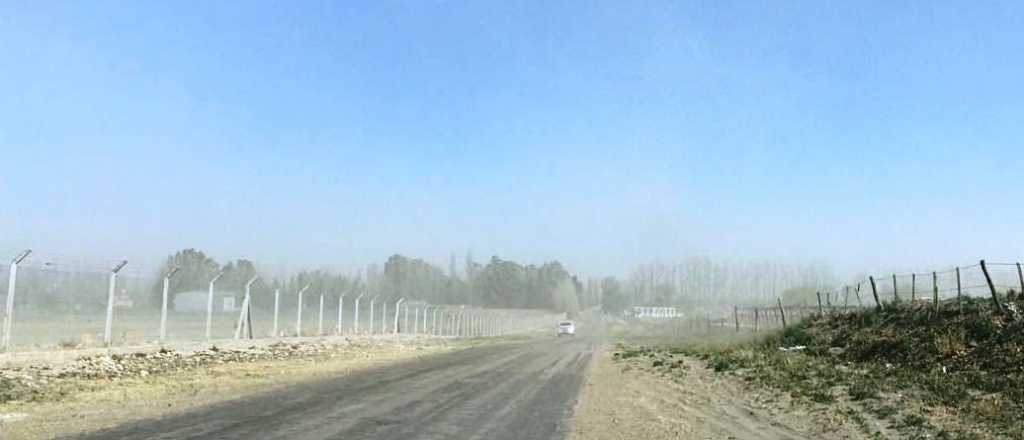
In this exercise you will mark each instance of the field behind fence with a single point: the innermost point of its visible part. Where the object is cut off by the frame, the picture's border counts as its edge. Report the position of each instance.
(67, 304)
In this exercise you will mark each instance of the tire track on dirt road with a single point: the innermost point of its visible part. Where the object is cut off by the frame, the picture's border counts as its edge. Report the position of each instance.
(510, 391)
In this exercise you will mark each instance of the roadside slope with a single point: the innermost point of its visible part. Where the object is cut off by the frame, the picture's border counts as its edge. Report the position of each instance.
(625, 400)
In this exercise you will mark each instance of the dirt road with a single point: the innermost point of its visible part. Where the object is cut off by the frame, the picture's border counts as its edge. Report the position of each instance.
(510, 391)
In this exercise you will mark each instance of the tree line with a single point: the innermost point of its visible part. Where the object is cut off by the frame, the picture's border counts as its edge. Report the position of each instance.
(497, 284)
(700, 281)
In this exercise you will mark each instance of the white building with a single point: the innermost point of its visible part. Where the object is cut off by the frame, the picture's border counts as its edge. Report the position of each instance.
(196, 301)
(655, 312)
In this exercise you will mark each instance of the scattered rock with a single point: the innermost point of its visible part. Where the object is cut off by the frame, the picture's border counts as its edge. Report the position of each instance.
(12, 417)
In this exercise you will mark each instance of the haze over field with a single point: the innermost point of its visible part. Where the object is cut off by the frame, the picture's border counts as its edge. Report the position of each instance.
(604, 137)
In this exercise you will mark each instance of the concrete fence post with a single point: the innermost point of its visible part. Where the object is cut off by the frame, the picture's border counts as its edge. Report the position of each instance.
(111, 288)
(243, 315)
(398, 309)
(320, 321)
(341, 311)
(298, 317)
(405, 324)
(209, 305)
(415, 320)
(12, 281)
(433, 323)
(277, 310)
(372, 300)
(424, 328)
(355, 315)
(163, 305)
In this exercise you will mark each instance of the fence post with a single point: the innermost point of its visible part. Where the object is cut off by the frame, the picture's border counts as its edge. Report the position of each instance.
(821, 310)
(895, 290)
(433, 323)
(424, 328)
(913, 287)
(405, 323)
(12, 281)
(757, 320)
(959, 292)
(828, 301)
(209, 305)
(846, 299)
(415, 320)
(991, 288)
(163, 305)
(320, 321)
(277, 308)
(355, 315)
(341, 311)
(736, 317)
(372, 300)
(246, 301)
(874, 291)
(108, 327)
(398, 308)
(1020, 276)
(298, 317)
(782, 312)
(857, 291)
(935, 290)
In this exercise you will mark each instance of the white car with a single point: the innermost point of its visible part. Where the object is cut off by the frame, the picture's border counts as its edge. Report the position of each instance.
(566, 328)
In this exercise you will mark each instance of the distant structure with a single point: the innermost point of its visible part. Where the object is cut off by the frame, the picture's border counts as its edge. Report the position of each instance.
(195, 301)
(655, 312)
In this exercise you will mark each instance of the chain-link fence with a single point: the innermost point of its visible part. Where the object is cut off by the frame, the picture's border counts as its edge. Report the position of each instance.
(60, 302)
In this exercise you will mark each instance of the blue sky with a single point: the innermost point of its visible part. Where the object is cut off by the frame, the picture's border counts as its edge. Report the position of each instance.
(867, 135)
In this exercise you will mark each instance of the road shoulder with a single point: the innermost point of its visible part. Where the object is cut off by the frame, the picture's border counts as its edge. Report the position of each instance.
(625, 400)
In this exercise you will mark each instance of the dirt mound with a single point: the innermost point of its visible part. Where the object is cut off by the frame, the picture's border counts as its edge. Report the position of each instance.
(960, 356)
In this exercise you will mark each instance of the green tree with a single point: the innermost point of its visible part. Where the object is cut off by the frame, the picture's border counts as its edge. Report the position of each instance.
(195, 269)
(613, 299)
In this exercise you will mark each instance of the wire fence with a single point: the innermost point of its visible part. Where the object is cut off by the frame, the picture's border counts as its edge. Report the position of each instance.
(54, 303)
(995, 281)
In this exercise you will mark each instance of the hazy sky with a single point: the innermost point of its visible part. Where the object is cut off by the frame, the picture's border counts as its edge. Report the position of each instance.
(866, 135)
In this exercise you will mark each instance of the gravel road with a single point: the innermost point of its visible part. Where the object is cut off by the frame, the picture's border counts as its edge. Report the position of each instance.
(523, 391)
